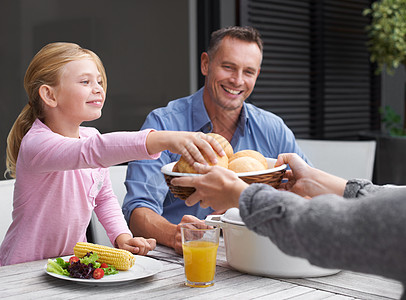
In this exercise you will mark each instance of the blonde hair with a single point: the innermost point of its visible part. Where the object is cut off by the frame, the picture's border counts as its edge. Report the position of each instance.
(45, 68)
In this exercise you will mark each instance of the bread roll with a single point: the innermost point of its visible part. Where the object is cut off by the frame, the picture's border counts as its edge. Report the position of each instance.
(183, 167)
(175, 167)
(228, 149)
(245, 164)
(250, 153)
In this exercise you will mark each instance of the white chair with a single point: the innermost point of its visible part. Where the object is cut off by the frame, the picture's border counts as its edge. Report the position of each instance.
(117, 176)
(346, 159)
(6, 204)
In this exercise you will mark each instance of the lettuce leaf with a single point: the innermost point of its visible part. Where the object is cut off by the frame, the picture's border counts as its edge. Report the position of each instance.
(62, 263)
(110, 270)
(92, 259)
(55, 267)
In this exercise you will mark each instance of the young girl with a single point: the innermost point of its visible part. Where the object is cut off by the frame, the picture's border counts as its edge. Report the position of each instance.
(61, 167)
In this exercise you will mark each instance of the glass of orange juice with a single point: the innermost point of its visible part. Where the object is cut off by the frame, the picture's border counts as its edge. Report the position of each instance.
(199, 243)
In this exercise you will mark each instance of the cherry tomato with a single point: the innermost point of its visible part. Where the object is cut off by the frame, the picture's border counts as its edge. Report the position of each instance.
(98, 273)
(104, 266)
(73, 259)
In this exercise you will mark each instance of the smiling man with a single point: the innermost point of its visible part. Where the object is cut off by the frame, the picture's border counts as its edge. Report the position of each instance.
(231, 67)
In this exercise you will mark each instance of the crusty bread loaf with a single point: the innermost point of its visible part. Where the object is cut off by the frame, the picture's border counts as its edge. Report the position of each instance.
(228, 149)
(239, 162)
(245, 164)
(250, 153)
(182, 166)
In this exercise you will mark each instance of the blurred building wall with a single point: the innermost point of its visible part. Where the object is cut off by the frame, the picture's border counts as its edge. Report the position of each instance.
(144, 46)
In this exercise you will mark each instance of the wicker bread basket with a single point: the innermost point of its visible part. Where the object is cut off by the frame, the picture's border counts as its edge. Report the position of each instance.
(272, 176)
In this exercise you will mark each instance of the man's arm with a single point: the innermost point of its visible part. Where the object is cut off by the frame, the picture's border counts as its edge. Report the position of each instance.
(147, 223)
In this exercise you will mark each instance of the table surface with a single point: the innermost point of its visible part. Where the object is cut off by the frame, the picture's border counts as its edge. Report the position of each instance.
(30, 281)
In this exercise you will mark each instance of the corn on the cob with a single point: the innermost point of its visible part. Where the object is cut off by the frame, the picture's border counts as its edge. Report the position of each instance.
(120, 258)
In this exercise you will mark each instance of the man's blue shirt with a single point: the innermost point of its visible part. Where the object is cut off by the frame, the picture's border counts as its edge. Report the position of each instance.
(258, 130)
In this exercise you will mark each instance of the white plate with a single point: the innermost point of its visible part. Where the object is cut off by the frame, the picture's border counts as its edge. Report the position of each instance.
(167, 169)
(143, 267)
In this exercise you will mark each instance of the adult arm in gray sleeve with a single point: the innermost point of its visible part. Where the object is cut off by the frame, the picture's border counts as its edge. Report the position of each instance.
(366, 234)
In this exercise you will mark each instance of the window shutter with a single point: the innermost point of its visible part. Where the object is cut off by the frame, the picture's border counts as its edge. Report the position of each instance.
(316, 73)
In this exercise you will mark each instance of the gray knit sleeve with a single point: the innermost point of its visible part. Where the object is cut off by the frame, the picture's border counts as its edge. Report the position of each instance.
(367, 235)
(360, 187)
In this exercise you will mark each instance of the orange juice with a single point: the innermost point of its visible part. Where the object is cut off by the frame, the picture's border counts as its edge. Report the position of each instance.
(200, 262)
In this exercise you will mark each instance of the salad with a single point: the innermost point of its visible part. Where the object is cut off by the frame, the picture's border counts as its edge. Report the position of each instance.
(85, 268)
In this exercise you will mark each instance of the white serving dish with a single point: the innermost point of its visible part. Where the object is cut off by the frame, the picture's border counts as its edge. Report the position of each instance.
(248, 252)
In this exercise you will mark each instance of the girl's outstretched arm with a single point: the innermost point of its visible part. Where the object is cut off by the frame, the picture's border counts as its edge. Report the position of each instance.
(191, 145)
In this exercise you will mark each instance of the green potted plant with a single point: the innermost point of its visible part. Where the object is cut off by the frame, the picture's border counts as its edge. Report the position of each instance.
(387, 46)
(392, 122)
(387, 33)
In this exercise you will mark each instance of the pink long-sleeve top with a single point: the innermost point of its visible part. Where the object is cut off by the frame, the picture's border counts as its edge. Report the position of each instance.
(59, 182)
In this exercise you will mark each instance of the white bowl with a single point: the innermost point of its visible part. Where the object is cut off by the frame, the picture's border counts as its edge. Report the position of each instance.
(249, 252)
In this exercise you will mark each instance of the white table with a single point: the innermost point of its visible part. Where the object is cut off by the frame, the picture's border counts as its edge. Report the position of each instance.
(29, 281)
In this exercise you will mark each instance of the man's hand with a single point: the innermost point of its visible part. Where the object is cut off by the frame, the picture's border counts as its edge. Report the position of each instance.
(178, 234)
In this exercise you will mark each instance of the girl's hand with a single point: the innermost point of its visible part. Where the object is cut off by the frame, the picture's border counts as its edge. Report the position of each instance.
(218, 188)
(136, 245)
(191, 145)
